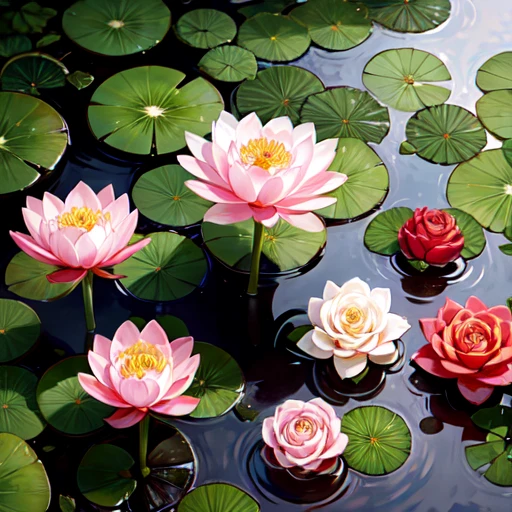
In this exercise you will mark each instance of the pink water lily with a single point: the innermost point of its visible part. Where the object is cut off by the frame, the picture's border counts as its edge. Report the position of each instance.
(262, 172)
(141, 372)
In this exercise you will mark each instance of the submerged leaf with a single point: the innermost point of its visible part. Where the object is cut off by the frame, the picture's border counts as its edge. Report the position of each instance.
(80, 79)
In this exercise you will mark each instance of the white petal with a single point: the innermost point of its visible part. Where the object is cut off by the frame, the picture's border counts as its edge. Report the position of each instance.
(382, 297)
(384, 350)
(330, 290)
(350, 367)
(396, 327)
(356, 285)
(385, 359)
(314, 310)
(306, 344)
(322, 340)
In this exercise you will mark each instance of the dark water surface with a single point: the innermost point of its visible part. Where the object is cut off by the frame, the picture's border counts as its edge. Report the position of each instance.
(436, 477)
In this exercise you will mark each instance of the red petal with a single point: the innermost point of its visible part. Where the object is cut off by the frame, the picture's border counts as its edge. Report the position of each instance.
(427, 359)
(106, 275)
(67, 275)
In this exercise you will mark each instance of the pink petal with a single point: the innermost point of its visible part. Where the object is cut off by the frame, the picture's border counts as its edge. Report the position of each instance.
(307, 221)
(118, 210)
(180, 406)
(125, 336)
(428, 327)
(428, 359)
(36, 205)
(282, 459)
(60, 244)
(277, 125)
(456, 368)
(139, 393)
(475, 305)
(224, 131)
(449, 310)
(99, 391)
(124, 231)
(154, 334)
(201, 170)
(241, 183)
(106, 196)
(187, 368)
(271, 191)
(323, 155)
(125, 253)
(474, 392)
(213, 193)
(228, 213)
(321, 184)
(67, 275)
(304, 131)
(305, 205)
(502, 312)
(52, 206)
(102, 346)
(124, 418)
(196, 145)
(86, 251)
(266, 216)
(337, 448)
(82, 195)
(503, 379)
(181, 349)
(268, 434)
(106, 275)
(178, 388)
(28, 245)
(248, 128)
(33, 223)
(100, 367)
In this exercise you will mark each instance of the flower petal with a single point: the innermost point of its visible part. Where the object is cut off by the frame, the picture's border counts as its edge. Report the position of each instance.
(314, 307)
(307, 221)
(124, 418)
(306, 345)
(396, 327)
(474, 392)
(29, 246)
(82, 195)
(106, 196)
(97, 390)
(213, 193)
(139, 393)
(351, 366)
(67, 275)
(125, 253)
(102, 346)
(180, 406)
(228, 213)
(154, 334)
(428, 359)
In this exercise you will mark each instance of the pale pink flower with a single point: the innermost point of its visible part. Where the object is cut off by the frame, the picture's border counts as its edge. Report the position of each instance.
(305, 434)
(85, 232)
(141, 372)
(265, 172)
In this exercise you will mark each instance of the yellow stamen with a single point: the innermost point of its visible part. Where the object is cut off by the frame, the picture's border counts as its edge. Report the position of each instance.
(5, 406)
(303, 426)
(373, 440)
(409, 79)
(353, 315)
(2, 331)
(154, 111)
(140, 358)
(266, 154)
(82, 217)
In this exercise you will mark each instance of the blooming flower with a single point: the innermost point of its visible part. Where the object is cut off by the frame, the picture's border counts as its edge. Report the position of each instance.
(353, 323)
(264, 172)
(431, 236)
(305, 434)
(472, 344)
(141, 372)
(86, 232)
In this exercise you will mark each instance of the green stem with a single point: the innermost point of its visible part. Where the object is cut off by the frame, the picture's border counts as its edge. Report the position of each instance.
(257, 245)
(143, 446)
(88, 304)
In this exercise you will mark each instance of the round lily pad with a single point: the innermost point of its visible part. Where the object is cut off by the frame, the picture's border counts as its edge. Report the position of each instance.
(403, 79)
(33, 138)
(446, 134)
(24, 484)
(169, 268)
(346, 112)
(111, 27)
(19, 329)
(482, 187)
(286, 246)
(141, 110)
(205, 28)
(161, 195)
(495, 73)
(367, 183)
(274, 37)
(64, 403)
(334, 25)
(273, 6)
(104, 475)
(14, 45)
(219, 382)
(218, 498)
(507, 150)
(474, 238)
(494, 109)
(229, 64)
(277, 91)
(379, 440)
(19, 414)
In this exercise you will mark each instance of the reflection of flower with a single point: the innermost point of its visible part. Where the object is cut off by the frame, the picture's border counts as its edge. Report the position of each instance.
(262, 172)
(305, 434)
(141, 371)
(353, 323)
(86, 232)
(472, 344)
(431, 236)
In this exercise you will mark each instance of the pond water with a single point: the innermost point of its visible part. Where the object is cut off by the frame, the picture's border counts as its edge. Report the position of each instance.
(436, 477)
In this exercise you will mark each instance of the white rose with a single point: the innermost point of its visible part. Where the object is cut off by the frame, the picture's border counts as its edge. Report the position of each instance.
(352, 324)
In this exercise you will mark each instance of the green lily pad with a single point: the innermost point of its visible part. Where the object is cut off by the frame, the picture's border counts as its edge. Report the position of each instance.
(446, 134)
(32, 18)
(495, 73)
(219, 382)
(14, 45)
(64, 403)
(403, 79)
(346, 112)
(379, 440)
(102, 475)
(24, 484)
(367, 183)
(334, 25)
(19, 329)
(111, 27)
(493, 418)
(274, 37)
(205, 28)
(67, 503)
(381, 235)
(482, 187)
(169, 268)
(229, 64)
(218, 498)
(161, 195)
(273, 6)
(33, 138)
(20, 415)
(277, 91)
(494, 109)
(286, 246)
(141, 110)
(80, 79)
(47, 40)
(474, 238)
(507, 151)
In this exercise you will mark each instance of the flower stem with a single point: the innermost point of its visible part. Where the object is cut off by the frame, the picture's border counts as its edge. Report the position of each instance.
(143, 445)
(88, 304)
(257, 245)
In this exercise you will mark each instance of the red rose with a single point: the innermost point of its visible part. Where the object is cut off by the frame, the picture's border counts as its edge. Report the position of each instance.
(472, 344)
(431, 236)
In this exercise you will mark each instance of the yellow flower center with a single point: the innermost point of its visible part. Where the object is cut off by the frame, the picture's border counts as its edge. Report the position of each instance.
(409, 79)
(303, 426)
(154, 111)
(82, 217)
(116, 24)
(353, 315)
(140, 358)
(266, 154)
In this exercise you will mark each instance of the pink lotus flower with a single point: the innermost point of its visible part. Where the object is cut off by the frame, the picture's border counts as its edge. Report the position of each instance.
(264, 172)
(141, 372)
(86, 232)
(305, 434)
(472, 344)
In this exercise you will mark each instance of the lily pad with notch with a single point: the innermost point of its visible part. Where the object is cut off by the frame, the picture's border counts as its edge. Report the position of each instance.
(496, 73)
(229, 64)
(494, 109)
(218, 497)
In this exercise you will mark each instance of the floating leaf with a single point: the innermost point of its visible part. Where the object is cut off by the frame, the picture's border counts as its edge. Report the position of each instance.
(111, 27)
(14, 45)
(274, 37)
(346, 112)
(162, 196)
(32, 18)
(47, 40)
(474, 238)
(381, 235)
(494, 109)
(229, 64)
(507, 151)
(218, 498)
(277, 91)
(496, 73)
(67, 503)
(367, 183)
(273, 6)
(446, 134)
(141, 107)
(169, 268)
(80, 79)
(403, 79)
(493, 417)
(379, 440)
